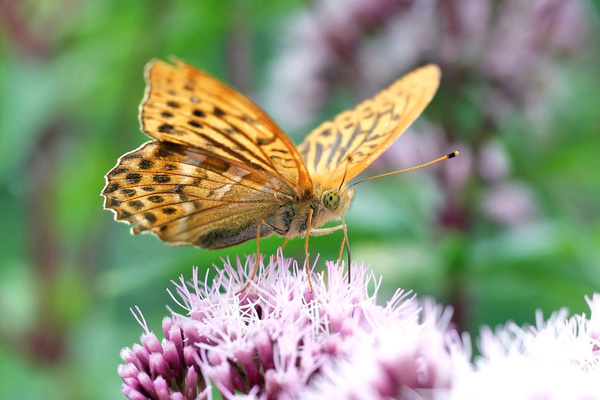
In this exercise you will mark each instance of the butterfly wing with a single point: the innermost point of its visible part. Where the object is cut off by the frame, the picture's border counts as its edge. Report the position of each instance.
(218, 166)
(187, 196)
(366, 131)
(186, 106)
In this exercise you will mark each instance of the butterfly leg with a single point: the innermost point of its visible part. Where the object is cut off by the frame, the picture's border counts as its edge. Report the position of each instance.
(341, 248)
(348, 248)
(325, 231)
(310, 214)
(258, 226)
(287, 239)
(316, 232)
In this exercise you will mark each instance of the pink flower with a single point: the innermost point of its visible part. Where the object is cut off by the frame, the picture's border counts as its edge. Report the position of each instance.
(557, 359)
(396, 360)
(277, 338)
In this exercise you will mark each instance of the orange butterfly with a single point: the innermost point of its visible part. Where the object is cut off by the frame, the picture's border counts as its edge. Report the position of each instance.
(221, 172)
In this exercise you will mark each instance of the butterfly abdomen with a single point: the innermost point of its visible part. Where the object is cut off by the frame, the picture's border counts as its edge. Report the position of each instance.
(224, 237)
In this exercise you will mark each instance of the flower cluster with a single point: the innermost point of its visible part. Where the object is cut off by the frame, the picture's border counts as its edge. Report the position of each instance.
(278, 337)
(279, 340)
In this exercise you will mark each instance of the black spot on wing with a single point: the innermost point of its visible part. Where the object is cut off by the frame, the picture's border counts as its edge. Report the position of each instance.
(265, 141)
(112, 202)
(119, 170)
(124, 214)
(325, 132)
(128, 192)
(166, 128)
(133, 178)
(161, 178)
(112, 187)
(163, 152)
(130, 156)
(145, 164)
(150, 217)
(248, 120)
(136, 205)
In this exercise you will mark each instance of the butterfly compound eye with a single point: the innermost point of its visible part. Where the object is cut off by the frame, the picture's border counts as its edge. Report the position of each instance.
(330, 199)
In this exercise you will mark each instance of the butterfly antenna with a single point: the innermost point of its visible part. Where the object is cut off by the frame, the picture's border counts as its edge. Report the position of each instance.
(447, 156)
(348, 161)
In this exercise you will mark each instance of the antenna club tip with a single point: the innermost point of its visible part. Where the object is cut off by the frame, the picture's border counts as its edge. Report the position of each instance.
(453, 154)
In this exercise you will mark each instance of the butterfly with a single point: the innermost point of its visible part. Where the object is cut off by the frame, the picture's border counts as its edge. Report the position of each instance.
(219, 171)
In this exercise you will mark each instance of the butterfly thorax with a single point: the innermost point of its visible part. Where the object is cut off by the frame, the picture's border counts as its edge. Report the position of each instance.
(293, 218)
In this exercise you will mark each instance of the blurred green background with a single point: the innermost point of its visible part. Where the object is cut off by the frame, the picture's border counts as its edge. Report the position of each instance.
(510, 226)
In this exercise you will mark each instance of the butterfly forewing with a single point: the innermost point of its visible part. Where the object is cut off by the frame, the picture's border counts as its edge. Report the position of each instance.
(186, 106)
(360, 135)
(187, 196)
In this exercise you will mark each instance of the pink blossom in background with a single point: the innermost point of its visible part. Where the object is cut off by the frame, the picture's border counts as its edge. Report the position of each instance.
(513, 48)
(558, 358)
(501, 62)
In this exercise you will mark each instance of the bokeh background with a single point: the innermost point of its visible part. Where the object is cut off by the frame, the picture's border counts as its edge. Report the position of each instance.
(510, 226)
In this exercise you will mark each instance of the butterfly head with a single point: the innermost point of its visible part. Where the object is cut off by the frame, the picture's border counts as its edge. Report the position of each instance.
(337, 201)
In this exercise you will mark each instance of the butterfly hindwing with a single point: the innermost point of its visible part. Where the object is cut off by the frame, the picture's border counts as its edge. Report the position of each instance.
(360, 135)
(189, 197)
